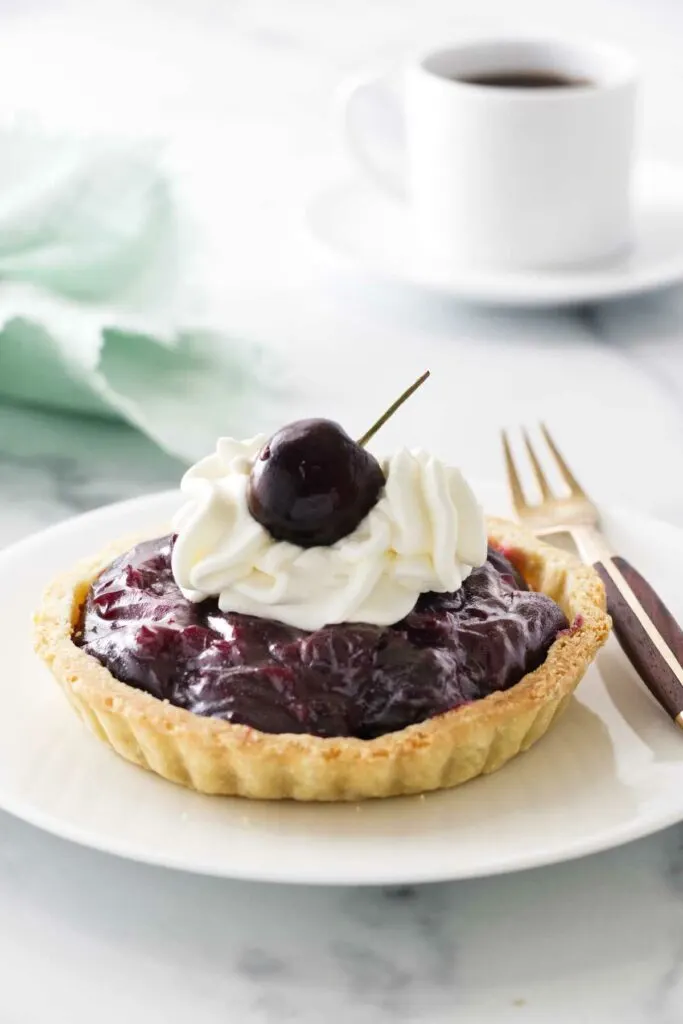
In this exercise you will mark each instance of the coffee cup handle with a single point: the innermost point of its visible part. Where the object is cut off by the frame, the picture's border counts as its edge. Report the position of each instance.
(370, 115)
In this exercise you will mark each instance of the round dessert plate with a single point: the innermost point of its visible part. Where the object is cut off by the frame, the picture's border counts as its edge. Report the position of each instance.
(611, 770)
(367, 231)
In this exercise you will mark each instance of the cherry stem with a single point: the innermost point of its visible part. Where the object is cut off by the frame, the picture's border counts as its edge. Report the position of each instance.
(392, 409)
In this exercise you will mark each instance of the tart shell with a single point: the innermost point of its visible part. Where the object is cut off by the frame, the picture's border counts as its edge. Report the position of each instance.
(217, 757)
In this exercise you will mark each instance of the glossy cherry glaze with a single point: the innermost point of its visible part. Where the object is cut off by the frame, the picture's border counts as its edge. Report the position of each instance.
(346, 680)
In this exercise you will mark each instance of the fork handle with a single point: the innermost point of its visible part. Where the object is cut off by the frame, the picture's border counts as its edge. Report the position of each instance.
(642, 644)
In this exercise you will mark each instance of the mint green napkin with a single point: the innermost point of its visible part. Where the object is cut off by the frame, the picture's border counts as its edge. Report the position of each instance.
(91, 297)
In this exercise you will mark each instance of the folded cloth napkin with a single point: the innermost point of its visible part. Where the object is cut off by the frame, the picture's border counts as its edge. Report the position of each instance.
(93, 305)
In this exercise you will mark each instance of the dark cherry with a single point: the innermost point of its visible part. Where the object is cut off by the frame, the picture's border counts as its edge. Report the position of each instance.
(346, 680)
(312, 484)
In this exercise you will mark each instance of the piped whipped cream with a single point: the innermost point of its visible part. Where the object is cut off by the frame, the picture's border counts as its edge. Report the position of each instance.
(426, 533)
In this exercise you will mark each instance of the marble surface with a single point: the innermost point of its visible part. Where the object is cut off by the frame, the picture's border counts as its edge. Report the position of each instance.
(241, 93)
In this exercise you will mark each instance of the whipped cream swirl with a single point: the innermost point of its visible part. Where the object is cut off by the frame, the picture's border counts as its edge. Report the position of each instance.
(426, 532)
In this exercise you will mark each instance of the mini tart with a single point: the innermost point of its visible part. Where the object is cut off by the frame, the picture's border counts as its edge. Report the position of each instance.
(217, 757)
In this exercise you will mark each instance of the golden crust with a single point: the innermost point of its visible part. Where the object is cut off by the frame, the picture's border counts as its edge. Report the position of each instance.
(213, 756)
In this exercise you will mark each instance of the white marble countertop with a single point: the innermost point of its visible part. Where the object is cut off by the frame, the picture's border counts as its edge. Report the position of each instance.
(84, 935)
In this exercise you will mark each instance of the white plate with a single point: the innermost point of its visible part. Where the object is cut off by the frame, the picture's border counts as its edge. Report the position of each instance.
(612, 769)
(358, 225)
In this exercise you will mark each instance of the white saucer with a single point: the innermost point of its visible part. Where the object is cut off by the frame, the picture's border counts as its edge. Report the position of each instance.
(611, 770)
(359, 225)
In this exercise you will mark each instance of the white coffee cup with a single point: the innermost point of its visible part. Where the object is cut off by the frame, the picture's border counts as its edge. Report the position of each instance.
(507, 176)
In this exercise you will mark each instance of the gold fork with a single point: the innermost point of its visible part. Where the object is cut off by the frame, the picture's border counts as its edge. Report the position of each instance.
(647, 631)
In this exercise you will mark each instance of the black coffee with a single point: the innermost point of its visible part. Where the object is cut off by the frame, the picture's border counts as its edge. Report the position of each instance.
(524, 80)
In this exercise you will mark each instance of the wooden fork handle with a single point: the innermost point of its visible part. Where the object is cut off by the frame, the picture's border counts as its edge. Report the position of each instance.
(640, 643)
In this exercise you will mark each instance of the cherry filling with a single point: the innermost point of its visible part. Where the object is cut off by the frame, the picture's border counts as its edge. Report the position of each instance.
(346, 680)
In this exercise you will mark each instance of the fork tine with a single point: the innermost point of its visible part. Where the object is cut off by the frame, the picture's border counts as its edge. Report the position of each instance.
(514, 482)
(541, 478)
(573, 484)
